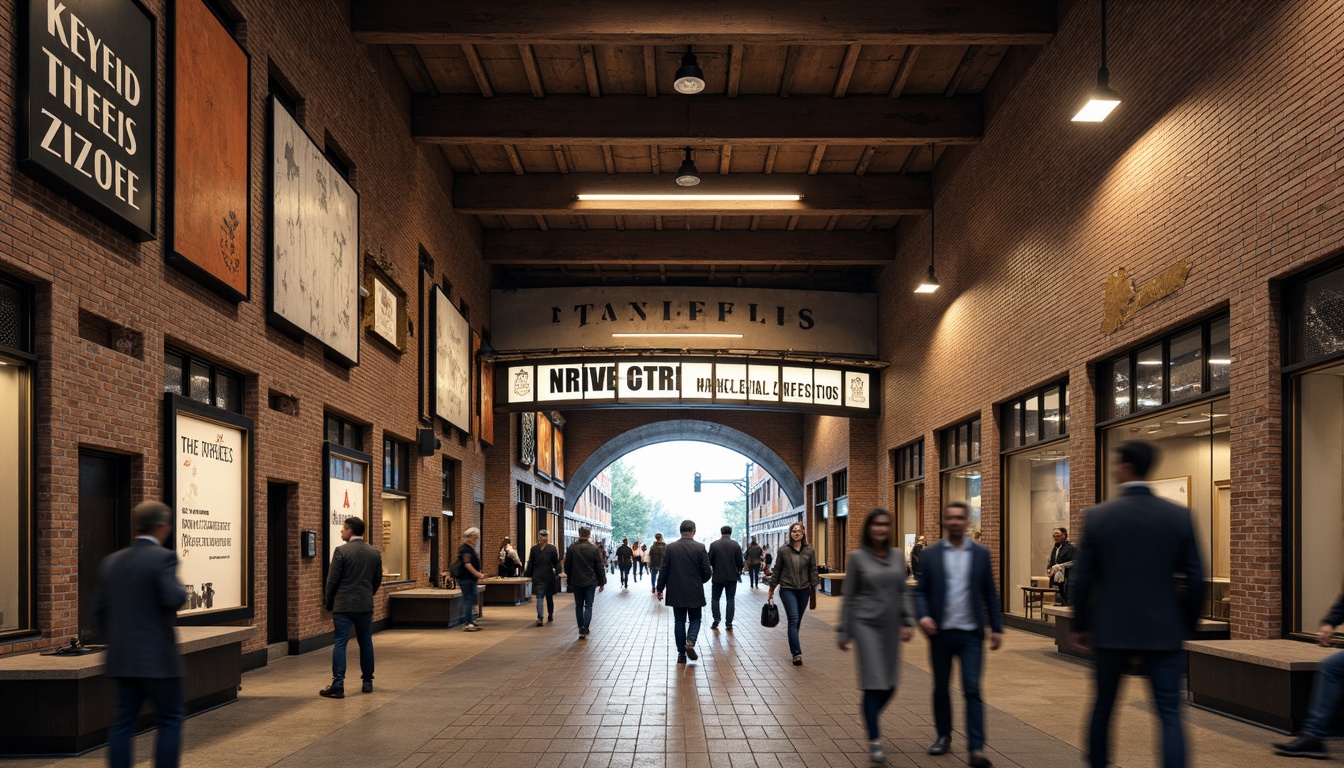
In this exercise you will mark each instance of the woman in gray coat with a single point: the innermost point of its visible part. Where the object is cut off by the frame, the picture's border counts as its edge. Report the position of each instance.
(873, 611)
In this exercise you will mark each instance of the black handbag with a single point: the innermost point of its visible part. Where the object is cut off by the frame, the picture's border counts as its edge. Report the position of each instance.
(769, 615)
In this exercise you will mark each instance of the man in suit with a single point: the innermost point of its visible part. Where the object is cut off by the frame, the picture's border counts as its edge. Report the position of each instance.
(543, 565)
(725, 558)
(685, 570)
(587, 577)
(1062, 557)
(355, 573)
(135, 608)
(1127, 601)
(954, 593)
(1325, 693)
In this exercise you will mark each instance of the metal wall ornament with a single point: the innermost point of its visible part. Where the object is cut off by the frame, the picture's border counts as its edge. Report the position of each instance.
(527, 438)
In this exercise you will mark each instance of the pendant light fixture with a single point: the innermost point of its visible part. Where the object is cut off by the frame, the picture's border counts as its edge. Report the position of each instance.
(690, 78)
(1101, 100)
(687, 175)
(930, 282)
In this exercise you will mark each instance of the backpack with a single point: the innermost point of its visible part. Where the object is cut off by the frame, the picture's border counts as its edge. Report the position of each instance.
(457, 569)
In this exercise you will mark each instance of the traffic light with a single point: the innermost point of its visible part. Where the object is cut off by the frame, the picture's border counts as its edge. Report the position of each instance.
(697, 482)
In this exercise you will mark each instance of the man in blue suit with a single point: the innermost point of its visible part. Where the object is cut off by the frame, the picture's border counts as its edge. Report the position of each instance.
(1127, 601)
(136, 608)
(953, 596)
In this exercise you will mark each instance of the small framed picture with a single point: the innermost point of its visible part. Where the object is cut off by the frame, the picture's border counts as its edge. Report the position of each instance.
(385, 307)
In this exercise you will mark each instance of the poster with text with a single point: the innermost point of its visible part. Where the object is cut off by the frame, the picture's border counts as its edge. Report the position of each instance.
(314, 280)
(210, 521)
(345, 499)
(452, 363)
(208, 218)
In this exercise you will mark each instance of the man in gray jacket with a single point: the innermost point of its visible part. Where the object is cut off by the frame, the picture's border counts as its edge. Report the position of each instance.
(685, 571)
(355, 573)
(725, 558)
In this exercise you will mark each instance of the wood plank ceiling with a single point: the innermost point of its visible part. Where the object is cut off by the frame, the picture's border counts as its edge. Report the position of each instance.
(847, 102)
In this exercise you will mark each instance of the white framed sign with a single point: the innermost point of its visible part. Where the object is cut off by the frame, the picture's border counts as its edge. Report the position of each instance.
(346, 493)
(209, 483)
(452, 363)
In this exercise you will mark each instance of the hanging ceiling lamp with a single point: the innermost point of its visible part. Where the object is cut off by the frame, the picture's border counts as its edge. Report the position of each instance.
(930, 282)
(690, 78)
(687, 175)
(1100, 100)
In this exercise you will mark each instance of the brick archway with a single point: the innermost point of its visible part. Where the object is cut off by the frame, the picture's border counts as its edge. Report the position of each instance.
(694, 430)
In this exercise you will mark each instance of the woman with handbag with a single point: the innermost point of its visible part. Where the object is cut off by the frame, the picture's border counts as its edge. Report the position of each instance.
(795, 575)
(874, 609)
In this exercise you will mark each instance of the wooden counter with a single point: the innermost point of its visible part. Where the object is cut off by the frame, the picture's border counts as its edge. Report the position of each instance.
(509, 590)
(426, 607)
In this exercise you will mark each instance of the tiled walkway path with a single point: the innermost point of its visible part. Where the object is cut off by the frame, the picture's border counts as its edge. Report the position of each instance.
(517, 696)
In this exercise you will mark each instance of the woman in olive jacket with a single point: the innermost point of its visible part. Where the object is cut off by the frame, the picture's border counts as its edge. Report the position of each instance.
(795, 575)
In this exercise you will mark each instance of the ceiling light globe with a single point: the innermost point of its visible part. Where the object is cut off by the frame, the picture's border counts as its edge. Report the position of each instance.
(690, 82)
(687, 180)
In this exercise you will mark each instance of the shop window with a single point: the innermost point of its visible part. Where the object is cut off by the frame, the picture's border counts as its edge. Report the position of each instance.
(816, 530)
(960, 460)
(202, 381)
(396, 465)
(396, 506)
(1035, 488)
(16, 467)
(1186, 365)
(346, 434)
(449, 476)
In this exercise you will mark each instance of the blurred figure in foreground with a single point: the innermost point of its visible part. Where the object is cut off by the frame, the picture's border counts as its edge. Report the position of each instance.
(1325, 692)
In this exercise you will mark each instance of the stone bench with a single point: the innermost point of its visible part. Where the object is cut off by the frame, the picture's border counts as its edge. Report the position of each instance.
(507, 590)
(1205, 629)
(832, 583)
(1264, 681)
(425, 607)
(64, 705)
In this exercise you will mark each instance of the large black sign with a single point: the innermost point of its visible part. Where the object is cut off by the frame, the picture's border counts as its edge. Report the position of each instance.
(87, 106)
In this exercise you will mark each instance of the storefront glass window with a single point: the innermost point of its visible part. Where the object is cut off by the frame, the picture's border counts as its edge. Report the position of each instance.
(1148, 377)
(1185, 372)
(1117, 403)
(1320, 488)
(1036, 501)
(15, 472)
(964, 485)
(393, 541)
(1220, 355)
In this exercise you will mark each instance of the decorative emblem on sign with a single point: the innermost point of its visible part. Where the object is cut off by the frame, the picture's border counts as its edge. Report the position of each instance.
(522, 382)
(527, 439)
(856, 389)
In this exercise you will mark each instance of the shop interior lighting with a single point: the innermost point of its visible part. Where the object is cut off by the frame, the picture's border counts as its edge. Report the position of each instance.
(1220, 361)
(1100, 100)
(676, 335)
(690, 78)
(691, 197)
(687, 175)
(930, 282)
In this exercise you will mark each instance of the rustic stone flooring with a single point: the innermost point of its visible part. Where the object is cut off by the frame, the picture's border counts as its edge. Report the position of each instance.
(518, 696)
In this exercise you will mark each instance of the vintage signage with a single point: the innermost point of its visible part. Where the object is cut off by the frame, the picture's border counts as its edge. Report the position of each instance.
(87, 107)
(684, 318)
(452, 363)
(707, 381)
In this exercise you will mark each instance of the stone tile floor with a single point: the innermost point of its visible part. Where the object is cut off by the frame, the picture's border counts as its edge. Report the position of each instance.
(518, 696)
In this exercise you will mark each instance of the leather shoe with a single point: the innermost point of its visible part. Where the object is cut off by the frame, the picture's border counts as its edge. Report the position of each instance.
(367, 687)
(941, 745)
(690, 652)
(977, 759)
(332, 692)
(681, 658)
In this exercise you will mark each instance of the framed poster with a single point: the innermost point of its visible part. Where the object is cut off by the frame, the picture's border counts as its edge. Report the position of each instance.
(487, 368)
(385, 307)
(559, 456)
(527, 438)
(92, 142)
(451, 363)
(346, 493)
(209, 222)
(314, 275)
(209, 484)
(1173, 489)
(545, 447)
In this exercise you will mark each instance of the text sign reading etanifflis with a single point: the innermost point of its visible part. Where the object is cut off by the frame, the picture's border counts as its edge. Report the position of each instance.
(87, 110)
(726, 382)
(833, 324)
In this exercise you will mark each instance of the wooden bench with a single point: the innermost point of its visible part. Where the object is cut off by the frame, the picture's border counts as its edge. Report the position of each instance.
(832, 583)
(1206, 629)
(507, 590)
(1263, 681)
(64, 705)
(426, 607)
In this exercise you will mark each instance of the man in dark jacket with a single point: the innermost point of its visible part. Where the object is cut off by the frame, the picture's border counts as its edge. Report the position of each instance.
(656, 560)
(1325, 693)
(753, 559)
(624, 559)
(1062, 558)
(543, 565)
(685, 571)
(1127, 601)
(725, 558)
(135, 609)
(587, 577)
(355, 573)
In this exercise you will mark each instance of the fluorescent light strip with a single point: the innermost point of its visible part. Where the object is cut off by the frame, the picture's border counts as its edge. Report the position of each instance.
(672, 198)
(676, 335)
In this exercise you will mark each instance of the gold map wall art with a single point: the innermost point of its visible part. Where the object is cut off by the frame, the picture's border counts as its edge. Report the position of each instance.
(1124, 299)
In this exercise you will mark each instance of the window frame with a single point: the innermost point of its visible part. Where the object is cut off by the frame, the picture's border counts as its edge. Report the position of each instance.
(27, 591)
(400, 453)
(345, 427)
(1105, 369)
(214, 372)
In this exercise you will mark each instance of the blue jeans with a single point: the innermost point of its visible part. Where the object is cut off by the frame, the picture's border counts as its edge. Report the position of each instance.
(1325, 691)
(1163, 670)
(169, 711)
(970, 648)
(583, 604)
(467, 613)
(542, 593)
(731, 590)
(681, 635)
(653, 573)
(795, 605)
(363, 625)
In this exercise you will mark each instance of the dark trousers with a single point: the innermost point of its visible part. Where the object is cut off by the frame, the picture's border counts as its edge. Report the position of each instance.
(1163, 670)
(1325, 688)
(165, 693)
(583, 604)
(754, 574)
(653, 577)
(362, 623)
(873, 702)
(719, 589)
(625, 575)
(467, 613)
(681, 634)
(970, 648)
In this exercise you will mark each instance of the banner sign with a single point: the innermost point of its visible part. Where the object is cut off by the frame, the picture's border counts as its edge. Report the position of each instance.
(347, 493)
(86, 109)
(831, 324)
(707, 381)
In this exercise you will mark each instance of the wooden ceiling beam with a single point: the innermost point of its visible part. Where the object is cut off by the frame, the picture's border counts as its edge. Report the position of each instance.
(704, 121)
(533, 73)
(705, 22)
(478, 70)
(554, 194)
(686, 248)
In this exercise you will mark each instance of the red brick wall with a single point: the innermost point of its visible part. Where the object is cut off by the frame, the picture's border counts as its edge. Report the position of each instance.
(92, 397)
